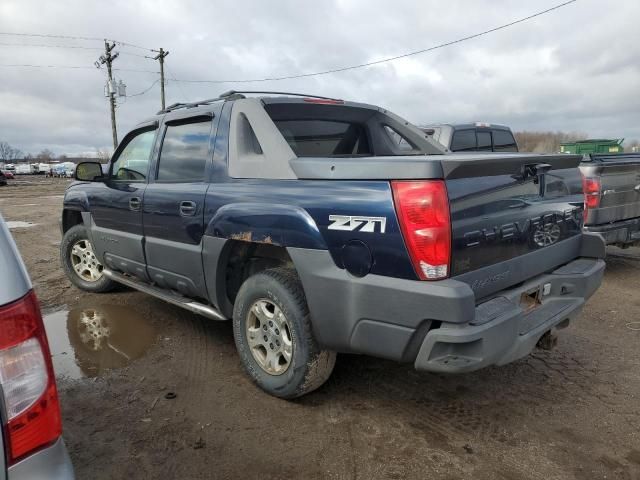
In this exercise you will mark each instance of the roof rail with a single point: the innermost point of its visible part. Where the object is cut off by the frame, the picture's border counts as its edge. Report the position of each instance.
(231, 93)
(237, 94)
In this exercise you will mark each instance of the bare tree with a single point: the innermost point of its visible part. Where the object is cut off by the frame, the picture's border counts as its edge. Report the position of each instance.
(632, 145)
(5, 151)
(45, 156)
(103, 155)
(545, 142)
(16, 153)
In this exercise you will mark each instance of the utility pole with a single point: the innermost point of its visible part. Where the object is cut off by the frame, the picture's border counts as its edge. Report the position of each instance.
(160, 58)
(107, 59)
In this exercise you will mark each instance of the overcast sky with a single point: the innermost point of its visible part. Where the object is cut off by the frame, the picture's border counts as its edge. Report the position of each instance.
(575, 69)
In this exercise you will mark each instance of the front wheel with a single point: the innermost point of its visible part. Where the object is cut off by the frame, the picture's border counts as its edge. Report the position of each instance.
(274, 337)
(80, 263)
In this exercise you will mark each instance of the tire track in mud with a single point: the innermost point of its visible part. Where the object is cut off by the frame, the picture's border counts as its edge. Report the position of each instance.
(184, 375)
(482, 417)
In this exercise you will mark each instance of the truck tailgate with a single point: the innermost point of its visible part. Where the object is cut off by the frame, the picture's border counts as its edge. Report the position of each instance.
(619, 187)
(512, 218)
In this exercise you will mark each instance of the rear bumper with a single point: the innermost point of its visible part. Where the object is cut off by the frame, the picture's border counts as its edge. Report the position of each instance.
(437, 325)
(502, 330)
(52, 463)
(623, 232)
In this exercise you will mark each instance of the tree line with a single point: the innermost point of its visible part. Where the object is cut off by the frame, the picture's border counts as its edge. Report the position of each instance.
(549, 142)
(10, 154)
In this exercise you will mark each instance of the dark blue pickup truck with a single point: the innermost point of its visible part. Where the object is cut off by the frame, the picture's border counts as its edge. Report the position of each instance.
(320, 226)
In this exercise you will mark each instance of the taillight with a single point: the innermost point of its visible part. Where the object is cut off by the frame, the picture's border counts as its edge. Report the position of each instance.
(423, 211)
(27, 380)
(591, 188)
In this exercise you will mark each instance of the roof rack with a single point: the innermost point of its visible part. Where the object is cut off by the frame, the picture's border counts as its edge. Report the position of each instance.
(267, 92)
(237, 94)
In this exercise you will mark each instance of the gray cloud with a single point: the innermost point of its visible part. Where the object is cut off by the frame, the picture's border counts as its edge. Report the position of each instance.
(575, 69)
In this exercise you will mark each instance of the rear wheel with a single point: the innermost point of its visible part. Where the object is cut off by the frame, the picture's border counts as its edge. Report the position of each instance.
(80, 263)
(274, 337)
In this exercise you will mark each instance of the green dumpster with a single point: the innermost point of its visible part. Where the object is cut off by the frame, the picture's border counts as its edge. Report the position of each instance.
(593, 146)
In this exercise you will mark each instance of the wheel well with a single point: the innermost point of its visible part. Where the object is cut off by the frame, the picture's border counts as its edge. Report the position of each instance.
(70, 218)
(247, 258)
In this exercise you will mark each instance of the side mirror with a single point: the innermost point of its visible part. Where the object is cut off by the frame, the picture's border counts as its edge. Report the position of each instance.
(89, 172)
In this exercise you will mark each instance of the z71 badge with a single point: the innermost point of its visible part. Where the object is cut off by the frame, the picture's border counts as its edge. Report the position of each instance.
(357, 223)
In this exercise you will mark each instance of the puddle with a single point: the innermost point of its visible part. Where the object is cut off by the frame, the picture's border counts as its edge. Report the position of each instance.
(86, 342)
(19, 224)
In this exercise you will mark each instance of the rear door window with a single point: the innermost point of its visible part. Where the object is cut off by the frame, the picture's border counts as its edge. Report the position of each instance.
(503, 141)
(324, 138)
(185, 152)
(463, 140)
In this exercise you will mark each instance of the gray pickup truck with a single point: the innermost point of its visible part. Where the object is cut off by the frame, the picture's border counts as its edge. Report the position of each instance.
(611, 183)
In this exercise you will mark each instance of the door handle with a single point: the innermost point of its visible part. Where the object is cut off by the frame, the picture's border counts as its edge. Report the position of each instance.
(134, 203)
(187, 208)
(637, 188)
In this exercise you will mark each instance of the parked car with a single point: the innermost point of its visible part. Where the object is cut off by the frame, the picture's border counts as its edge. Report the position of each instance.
(7, 174)
(612, 188)
(320, 226)
(473, 137)
(31, 437)
(3, 179)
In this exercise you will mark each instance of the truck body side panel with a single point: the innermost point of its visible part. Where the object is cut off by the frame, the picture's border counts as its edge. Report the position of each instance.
(619, 186)
(296, 214)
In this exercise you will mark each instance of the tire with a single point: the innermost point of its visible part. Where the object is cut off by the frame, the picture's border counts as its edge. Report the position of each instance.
(309, 366)
(77, 236)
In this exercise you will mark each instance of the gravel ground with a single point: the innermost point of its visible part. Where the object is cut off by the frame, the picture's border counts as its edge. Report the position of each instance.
(149, 390)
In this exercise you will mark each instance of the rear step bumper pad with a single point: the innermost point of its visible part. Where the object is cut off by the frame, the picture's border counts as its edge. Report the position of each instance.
(503, 331)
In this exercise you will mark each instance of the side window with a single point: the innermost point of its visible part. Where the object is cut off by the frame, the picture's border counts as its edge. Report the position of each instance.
(484, 140)
(463, 140)
(184, 152)
(398, 140)
(503, 141)
(133, 162)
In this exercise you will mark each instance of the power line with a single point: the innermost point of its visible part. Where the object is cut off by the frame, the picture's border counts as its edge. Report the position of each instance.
(44, 35)
(284, 77)
(79, 47)
(72, 37)
(173, 77)
(27, 65)
(47, 46)
(389, 59)
(46, 66)
(132, 45)
(144, 91)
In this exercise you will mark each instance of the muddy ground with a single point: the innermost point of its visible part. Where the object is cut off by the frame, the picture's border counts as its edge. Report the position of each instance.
(573, 412)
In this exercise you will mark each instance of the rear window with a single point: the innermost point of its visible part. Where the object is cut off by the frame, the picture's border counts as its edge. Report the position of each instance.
(463, 140)
(324, 138)
(484, 140)
(503, 141)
